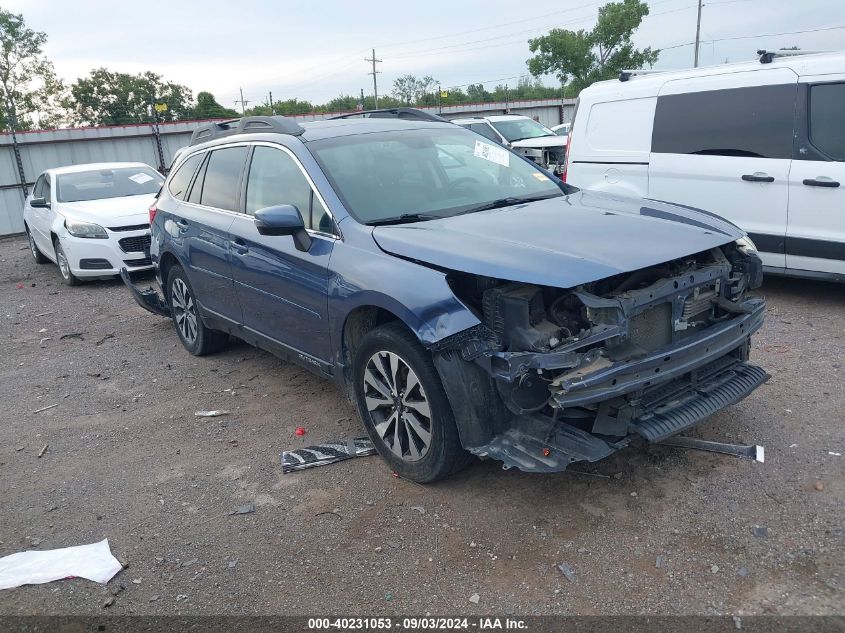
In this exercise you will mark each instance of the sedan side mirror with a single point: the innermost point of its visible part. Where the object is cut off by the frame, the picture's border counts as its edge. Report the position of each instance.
(283, 219)
(39, 203)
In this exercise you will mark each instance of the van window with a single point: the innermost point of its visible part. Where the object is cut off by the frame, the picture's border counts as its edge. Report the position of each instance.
(180, 180)
(752, 122)
(620, 127)
(827, 119)
(220, 189)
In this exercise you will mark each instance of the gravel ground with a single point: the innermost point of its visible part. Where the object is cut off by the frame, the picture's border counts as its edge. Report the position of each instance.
(647, 531)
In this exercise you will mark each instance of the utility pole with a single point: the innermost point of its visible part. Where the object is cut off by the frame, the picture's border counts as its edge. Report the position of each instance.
(272, 110)
(374, 73)
(241, 101)
(697, 34)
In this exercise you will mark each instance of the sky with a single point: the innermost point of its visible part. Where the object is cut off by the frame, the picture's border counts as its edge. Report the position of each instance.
(315, 51)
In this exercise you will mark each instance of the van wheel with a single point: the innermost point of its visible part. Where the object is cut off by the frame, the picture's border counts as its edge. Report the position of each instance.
(403, 406)
(37, 255)
(195, 336)
(68, 278)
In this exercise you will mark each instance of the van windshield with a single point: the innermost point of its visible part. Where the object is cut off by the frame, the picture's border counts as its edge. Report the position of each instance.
(99, 184)
(426, 173)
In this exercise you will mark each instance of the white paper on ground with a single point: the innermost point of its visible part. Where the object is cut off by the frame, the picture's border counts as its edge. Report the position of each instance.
(94, 562)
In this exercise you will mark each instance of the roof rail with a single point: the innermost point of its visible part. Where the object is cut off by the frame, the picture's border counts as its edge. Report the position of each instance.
(625, 75)
(246, 125)
(412, 114)
(766, 57)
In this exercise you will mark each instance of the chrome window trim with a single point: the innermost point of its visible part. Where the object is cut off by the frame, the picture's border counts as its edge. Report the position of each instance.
(238, 214)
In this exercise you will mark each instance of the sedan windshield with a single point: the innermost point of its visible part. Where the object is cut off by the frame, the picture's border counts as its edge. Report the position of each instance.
(519, 129)
(418, 175)
(108, 183)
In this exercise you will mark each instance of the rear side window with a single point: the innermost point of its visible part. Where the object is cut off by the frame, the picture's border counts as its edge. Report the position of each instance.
(827, 119)
(181, 179)
(753, 122)
(220, 187)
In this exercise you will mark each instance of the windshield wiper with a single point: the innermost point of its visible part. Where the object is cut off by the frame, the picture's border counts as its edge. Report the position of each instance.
(404, 218)
(509, 202)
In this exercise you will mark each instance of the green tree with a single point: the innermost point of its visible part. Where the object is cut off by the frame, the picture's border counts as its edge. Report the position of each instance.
(578, 58)
(208, 108)
(408, 89)
(112, 98)
(29, 88)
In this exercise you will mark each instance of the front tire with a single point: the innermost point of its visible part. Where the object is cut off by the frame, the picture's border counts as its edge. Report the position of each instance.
(68, 278)
(198, 339)
(37, 255)
(403, 406)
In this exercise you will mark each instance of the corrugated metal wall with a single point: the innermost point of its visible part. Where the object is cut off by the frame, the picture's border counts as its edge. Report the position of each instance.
(45, 149)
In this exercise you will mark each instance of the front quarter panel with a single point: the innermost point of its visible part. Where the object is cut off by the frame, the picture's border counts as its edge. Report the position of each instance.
(363, 275)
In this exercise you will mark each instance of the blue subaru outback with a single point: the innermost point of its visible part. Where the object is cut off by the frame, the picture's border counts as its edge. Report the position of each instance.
(466, 300)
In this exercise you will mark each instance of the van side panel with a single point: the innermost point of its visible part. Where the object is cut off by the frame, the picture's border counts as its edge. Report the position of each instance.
(611, 146)
(723, 143)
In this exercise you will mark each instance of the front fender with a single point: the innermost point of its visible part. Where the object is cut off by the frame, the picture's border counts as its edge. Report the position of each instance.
(418, 295)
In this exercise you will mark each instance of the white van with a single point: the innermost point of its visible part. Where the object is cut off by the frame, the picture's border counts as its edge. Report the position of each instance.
(759, 143)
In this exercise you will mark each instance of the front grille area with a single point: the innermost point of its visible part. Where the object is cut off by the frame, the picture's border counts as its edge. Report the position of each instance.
(131, 227)
(94, 264)
(144, 261)
(137, 244)
(652, 328)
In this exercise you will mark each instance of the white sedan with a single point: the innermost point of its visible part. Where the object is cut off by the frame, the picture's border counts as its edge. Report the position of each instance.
(92, 220)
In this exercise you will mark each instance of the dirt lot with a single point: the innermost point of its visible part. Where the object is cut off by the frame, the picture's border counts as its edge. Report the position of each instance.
(128, 460)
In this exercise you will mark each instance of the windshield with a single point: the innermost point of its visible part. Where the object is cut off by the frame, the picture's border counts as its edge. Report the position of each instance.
(108, 183)
(427, 173)
(519, 129)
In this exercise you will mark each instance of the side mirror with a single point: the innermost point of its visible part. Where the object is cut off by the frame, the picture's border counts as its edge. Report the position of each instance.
(283, 219)
(39, 203)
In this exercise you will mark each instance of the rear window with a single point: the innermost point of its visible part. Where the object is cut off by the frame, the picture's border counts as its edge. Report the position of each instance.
(753, 122)
(99, 184)
(827, 120)
(222, 173)
(181, 179)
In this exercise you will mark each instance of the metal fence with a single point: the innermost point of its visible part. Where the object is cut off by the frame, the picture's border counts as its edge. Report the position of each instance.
(45, 149)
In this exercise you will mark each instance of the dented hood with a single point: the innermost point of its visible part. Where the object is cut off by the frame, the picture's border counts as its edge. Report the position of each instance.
(561, 242)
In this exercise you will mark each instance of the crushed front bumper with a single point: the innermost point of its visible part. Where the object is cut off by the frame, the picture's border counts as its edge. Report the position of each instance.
(537, 443)
(149, 299)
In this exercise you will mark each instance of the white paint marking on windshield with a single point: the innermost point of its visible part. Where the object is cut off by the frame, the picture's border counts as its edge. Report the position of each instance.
(141, 178)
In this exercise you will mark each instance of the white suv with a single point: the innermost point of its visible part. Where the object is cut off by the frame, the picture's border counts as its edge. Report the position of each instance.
(92, 220)
(524, 135)
(760, 143)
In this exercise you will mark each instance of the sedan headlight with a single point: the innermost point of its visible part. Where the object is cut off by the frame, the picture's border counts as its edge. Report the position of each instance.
(78, 228)
(746, 245)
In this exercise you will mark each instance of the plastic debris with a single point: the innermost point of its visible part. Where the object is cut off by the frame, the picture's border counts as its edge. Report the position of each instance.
(658, 562)
(299, 432)
(567, 571)
(326, 453)
(760, 531)
(45, 408)
(33, 567)
(249, 508)
(834, 454)
(474, 598)
(42, 451)
(210, 414)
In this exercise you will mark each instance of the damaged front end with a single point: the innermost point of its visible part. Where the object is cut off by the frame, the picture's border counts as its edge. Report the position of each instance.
(555, 376)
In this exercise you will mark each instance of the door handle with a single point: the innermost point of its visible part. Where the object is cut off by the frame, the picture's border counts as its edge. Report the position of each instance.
(240, 247)
(813, 182)
(757, 178)
(182, 225)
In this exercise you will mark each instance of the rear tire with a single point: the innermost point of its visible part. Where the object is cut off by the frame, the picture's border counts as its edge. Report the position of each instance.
(198, 339)
(68, 278)
(37, 255)
(403, 406)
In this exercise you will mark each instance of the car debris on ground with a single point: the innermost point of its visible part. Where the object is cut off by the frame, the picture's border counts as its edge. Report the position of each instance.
(326, 453)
